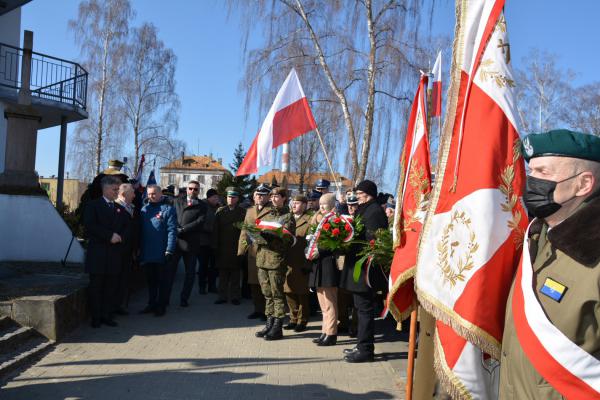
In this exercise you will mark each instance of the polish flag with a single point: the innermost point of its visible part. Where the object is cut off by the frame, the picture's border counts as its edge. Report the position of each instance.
(413, 193)
(436, 88)
(473, 232)
(288, 118)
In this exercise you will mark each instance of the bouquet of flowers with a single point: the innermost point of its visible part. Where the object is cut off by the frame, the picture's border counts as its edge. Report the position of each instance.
(258, 231)
(378, 251)
(334, 233)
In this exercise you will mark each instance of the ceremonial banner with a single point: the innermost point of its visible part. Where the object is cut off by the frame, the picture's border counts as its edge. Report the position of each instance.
(288, 118)
(436, 87)
(414, 188)
(473, 233)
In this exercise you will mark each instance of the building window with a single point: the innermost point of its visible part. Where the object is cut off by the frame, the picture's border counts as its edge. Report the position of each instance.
(186, 179)
(201, 178)
(216, 179)
(171, 179)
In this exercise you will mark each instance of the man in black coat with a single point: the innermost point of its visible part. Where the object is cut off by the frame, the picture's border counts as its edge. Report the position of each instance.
(373, 218)
(108, 227)
(191, 217)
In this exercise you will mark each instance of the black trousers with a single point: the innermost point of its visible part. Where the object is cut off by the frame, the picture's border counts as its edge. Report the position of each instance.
(102, 292)
(363, 301)
(123, 283)
(207, 269)
(190, 260)
(158, 276)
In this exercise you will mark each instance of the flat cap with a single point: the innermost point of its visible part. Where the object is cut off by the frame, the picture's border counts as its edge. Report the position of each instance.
(263, 189)
(563, 143)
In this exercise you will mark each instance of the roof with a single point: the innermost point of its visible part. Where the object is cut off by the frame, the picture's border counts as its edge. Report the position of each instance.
(293, 178)
(195, 163)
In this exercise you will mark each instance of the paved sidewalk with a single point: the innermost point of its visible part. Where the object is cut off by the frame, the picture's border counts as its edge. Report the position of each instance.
(206, 351)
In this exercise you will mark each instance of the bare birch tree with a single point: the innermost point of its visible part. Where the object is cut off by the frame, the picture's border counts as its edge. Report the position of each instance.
(582, 109)
(357, 55)
(151, 104)
(100, 30)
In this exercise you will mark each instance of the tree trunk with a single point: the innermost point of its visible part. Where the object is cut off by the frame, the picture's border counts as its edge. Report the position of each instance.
(100, 130)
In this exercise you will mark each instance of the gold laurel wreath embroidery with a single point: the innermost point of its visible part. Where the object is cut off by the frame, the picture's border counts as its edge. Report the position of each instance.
(500, 80)
(419, 184)
(446, 250)
(506, 187)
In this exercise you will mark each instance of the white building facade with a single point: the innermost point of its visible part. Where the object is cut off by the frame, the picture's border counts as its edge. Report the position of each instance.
(204, 169)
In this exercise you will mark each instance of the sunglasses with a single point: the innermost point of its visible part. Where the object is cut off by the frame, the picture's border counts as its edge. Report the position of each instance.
(194, 189)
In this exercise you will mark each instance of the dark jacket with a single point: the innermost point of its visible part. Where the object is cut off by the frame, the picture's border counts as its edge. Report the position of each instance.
(100, 222)
(325, 272)
(226, 236)
(190, 223)
(209, 224)
(159, 231)
(373, 218)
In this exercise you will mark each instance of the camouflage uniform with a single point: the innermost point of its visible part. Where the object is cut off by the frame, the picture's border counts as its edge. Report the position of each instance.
(270, 260)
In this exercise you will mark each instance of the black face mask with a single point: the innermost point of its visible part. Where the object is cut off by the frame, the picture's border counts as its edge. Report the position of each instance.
(539, 196)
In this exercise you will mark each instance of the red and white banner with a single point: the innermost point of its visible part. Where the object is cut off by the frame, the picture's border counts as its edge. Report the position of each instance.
(436, 87)
(288, 118)
(473, 233)
(413, 200)
(567, 367)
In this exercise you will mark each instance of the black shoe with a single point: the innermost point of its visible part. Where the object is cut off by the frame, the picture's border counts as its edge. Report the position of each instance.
(235, 302)
(121, 311)
(184, 303)
(290, 326)
(148, 310)
(301, 327)
(350, 351)
(276, 332)
(109, 322)
(160, 311)
(328, 340)
(359, 357)
(95, 323)
(220, 301)
(318, 340)
(266, 329)
(255, 315)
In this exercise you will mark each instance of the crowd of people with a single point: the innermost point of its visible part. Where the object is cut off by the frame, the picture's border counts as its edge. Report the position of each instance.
(156, 234)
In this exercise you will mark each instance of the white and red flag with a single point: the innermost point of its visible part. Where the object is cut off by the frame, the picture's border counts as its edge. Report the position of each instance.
(473, 232)
(288, 118)
(436, 87)
(414, 189)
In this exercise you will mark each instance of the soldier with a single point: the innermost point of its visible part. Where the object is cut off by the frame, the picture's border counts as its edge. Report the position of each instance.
(313, 201)
(226, 237)
(258, 211)
(551, 340)
(322, 186)
(270, 260)
(296, 279)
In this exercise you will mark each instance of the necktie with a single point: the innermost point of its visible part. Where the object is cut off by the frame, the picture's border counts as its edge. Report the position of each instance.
(189, 203)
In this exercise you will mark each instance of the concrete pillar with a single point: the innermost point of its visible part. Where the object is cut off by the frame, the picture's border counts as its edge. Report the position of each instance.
(61, 162)
(285, 158)
(25, 92)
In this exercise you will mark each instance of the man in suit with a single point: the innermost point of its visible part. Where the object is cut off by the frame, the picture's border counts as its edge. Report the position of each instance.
(108, 228)
(125, 200)
(373, 218)
(191, 215)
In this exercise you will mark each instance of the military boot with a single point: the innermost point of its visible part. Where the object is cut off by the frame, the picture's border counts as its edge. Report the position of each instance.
(276, 331)
(266, 329)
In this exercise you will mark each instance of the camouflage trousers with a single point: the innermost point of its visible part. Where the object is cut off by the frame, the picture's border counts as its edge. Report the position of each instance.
(271, 284)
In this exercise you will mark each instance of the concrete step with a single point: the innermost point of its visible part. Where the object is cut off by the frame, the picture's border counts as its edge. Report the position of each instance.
(5, 322)
(25, 354)
(12, 337)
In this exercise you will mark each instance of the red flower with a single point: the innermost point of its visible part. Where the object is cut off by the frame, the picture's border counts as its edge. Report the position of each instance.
(348, 228)
(372, 243)
(257, 222)
(335, 232)
(337, 220)
(326, 226)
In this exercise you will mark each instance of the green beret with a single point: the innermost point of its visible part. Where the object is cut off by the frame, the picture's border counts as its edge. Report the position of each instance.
(232, 192)
(562, 142)
(300, 197)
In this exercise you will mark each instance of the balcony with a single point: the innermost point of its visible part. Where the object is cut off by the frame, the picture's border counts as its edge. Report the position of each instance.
(58, 87)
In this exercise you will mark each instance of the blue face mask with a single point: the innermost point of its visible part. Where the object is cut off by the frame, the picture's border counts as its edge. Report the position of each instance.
(539, 196)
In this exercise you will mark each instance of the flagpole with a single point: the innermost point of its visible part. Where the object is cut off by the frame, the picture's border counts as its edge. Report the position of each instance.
(328, 160)
(412, 341)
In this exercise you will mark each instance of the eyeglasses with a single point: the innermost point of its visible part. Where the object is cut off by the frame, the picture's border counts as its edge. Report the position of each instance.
(195, 189)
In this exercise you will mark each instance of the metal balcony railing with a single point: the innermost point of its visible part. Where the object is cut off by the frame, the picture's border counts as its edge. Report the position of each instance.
(52, 78)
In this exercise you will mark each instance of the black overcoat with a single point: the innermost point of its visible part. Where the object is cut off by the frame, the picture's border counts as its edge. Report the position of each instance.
(325, 272)
(373, 218)
(192, 219)
(100, 222)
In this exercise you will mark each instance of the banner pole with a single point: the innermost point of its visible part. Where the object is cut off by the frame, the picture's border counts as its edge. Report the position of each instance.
(337, 184)
(411, 354)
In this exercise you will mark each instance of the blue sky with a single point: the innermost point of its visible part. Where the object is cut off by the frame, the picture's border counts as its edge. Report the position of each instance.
(209, 68)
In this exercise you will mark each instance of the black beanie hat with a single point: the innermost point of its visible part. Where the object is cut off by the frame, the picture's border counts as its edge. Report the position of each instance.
(211, 192)
(369, 187)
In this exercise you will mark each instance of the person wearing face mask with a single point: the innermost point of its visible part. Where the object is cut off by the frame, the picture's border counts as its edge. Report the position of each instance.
(551, 341)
